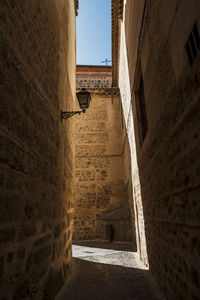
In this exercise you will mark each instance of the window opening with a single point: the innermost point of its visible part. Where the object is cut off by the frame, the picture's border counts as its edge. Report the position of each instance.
(193, 44)
(141, 112)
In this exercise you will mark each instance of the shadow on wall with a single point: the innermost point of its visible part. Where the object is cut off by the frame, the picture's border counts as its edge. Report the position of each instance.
(35, 214)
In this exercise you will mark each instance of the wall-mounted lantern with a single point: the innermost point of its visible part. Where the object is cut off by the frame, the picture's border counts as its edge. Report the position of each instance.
(84, 98)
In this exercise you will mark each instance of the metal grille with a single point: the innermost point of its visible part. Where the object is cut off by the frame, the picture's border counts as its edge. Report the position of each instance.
(193, 44)
(142, 113)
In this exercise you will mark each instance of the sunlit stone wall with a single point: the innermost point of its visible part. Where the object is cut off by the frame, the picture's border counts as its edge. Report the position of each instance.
(131, 174)
(100, 195)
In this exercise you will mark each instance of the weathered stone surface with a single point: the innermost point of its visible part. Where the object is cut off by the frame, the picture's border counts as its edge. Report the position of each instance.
(53, 284)
(23, 291)
(7, 235)
(21, 253)
(10, 209)
(28, 262)
(165, 171)
(27, 230)
(97, 77)
(37, 71)
(10, 257)
(42, 254)
(43, 240)
(99, 182)
(1, 265)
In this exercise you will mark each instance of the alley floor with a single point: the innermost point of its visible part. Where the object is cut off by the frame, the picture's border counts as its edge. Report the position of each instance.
(108, 271)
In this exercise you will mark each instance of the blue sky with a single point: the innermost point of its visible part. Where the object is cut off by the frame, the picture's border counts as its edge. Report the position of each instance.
(93, 32)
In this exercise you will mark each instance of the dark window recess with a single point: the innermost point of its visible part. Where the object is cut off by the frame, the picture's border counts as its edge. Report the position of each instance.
(193, 44)
(196, 36)
(141, 111)
(189, 53)
(122, 118)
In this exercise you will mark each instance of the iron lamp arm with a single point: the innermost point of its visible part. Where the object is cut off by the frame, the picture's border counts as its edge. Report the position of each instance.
(68, 114)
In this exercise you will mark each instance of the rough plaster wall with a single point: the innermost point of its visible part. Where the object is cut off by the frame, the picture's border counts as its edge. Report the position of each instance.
(168, 160)
(99, 185)
(36, 148)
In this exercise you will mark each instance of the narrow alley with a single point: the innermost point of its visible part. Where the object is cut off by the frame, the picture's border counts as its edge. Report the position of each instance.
(100, 162)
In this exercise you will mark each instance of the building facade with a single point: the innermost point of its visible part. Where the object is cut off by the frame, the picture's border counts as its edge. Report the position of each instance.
(160, 59)
(37, 148)
(100, 194)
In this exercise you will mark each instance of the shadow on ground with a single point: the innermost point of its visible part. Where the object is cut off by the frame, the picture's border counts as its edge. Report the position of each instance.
(119, 276)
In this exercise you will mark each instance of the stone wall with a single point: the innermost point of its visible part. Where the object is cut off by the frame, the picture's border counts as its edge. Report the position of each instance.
(38, 79)
(131, 176)
(100, 195)
(168, 157)
(93, 77)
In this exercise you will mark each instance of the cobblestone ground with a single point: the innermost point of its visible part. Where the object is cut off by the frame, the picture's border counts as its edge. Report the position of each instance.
(108, 271)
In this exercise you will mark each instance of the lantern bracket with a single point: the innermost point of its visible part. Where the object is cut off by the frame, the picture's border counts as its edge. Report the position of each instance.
(84, 98)
(68, 114)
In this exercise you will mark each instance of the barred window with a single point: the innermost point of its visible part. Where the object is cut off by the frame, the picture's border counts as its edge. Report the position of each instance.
(193, 44)
(141, 113)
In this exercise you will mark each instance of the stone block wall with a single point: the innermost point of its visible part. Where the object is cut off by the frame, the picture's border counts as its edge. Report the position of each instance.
(36, 162)
(99, 179)
(93, 77)
(133, 188)
(168, 158)
(130, 165)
